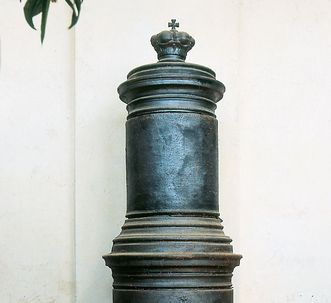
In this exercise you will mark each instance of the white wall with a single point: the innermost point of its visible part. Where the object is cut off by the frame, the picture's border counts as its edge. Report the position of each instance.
(36, 160)
(62, 180)
(285, 151)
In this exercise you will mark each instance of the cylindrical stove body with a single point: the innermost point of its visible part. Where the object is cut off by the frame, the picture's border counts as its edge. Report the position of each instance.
(172, 248)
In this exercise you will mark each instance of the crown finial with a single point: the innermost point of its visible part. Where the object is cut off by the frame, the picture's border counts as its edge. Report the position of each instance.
(173, 24)
(172, 45)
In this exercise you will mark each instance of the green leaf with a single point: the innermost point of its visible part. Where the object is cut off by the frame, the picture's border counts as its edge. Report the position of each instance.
(78, 5)
(75, 5)
(31, 9)
(45, 8)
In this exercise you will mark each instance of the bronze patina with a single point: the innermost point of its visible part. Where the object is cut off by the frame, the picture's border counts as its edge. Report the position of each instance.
(172, 248)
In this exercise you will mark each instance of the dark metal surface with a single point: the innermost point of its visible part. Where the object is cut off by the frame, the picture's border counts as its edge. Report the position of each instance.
(172, 247)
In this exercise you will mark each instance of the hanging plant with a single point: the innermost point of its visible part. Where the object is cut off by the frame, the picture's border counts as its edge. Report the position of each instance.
(33, 8)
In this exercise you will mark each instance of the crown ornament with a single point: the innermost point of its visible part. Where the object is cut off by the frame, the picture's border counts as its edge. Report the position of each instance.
(172, 45)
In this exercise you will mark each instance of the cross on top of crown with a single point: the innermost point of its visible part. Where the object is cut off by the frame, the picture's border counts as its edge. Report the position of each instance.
(173, 24)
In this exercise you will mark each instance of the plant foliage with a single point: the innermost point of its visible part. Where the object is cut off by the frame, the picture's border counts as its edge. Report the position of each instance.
(33, 8)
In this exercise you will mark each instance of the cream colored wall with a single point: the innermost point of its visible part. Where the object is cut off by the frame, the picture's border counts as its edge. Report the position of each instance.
(62, 180)
(285, 148)
(36, 160)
